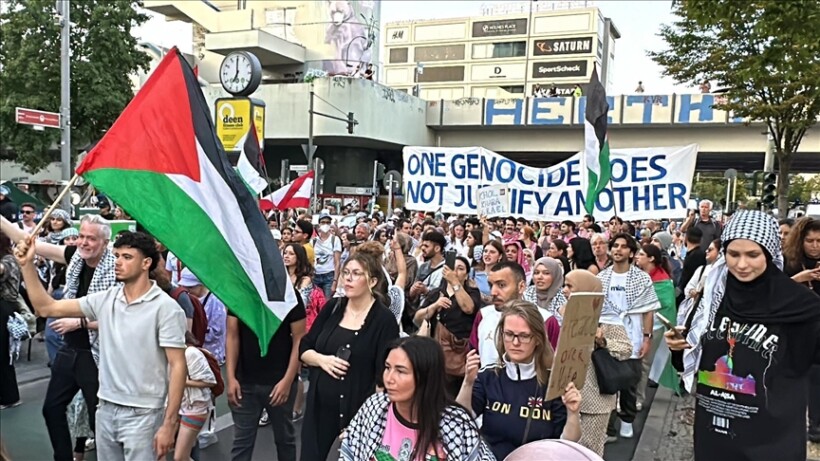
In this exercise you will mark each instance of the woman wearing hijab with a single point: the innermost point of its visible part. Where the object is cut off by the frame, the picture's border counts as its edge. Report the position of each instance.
(751, 343)
(545, 292)
(595, 406)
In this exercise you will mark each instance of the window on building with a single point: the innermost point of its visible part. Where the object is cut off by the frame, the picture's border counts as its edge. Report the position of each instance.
(499, 50)
(398, 55)
(447, 94)
(279, 22)
(439, 53)
(442, 74)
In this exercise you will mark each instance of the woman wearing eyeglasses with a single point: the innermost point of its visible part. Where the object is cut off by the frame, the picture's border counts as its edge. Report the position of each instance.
(345, 351)
(510, 396)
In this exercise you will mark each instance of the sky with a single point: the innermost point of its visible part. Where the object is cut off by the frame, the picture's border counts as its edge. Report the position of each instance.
(638, 22)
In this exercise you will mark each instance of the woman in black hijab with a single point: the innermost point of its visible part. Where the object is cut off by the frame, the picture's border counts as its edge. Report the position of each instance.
(747, 354)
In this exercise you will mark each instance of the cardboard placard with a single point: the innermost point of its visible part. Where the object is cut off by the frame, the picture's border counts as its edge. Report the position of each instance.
(493, 201)
(575, 342)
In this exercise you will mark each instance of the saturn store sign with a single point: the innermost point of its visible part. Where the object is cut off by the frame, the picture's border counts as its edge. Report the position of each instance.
(559, 46)
(559, 69)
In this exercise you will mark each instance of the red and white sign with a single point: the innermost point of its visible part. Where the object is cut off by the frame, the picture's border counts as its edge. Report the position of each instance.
(38, 118)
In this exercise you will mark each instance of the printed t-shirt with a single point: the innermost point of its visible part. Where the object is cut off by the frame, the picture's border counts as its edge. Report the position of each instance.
(399, 440)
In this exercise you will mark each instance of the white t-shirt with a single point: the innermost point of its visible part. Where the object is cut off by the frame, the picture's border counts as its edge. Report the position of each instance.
(174, 266)
(323, 250)
(632, 322)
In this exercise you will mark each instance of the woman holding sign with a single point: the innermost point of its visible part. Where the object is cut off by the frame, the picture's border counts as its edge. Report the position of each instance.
(611, 335)
(510, 396)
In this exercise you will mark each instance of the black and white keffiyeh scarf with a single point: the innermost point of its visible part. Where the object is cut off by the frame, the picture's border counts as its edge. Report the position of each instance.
(459, 435)
(640, 292)
(750, 225)
(103, 279)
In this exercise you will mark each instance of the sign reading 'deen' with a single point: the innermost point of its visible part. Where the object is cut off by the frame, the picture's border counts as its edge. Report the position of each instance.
(496, 28)
(559, 69)
(575, 343)
(646, 183)
(556, 46)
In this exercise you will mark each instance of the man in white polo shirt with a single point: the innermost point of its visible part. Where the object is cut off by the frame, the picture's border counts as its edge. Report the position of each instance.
(142, 343)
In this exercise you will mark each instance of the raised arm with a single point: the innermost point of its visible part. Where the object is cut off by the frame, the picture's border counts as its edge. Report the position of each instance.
(44, 305)
(47, 250)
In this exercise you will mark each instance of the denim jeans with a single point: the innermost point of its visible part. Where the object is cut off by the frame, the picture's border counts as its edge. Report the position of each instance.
(54, 340)
(324, 281)
(126, 433)
(255, 397)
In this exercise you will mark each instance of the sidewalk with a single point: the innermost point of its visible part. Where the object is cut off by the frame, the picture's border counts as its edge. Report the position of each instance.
(668, 433)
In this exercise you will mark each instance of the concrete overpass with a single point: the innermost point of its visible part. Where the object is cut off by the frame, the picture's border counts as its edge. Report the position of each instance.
(534, 131)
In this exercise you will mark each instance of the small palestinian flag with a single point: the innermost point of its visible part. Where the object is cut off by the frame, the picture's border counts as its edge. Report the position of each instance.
(251, 163)
(596, 144)
(162, 161)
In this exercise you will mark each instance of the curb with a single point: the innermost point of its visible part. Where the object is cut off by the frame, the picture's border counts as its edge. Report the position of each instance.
(652, 430)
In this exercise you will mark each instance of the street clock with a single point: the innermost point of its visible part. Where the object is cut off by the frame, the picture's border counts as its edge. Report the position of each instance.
(240, 73)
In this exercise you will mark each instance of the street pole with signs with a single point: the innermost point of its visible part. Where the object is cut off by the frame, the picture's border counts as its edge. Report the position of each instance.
(63, 7)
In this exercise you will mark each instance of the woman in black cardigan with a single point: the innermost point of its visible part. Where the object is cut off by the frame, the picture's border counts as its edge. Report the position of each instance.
(345, 350)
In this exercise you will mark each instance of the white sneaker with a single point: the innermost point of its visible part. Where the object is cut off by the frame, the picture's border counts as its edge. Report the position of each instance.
(639, 406)
(626, 430)
(611, 438)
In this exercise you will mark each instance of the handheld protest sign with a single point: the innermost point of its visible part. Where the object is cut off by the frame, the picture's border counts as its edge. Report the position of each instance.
(575, 342)
(493, 201)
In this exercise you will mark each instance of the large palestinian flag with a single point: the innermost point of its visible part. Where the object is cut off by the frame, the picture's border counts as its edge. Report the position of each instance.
(162, 161)
(596, 144)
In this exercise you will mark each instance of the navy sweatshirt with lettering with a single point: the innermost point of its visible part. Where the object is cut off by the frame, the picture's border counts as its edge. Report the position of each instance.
(507, 397)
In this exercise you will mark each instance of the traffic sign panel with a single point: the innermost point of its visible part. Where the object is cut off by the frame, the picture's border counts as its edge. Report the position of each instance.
(37, 118)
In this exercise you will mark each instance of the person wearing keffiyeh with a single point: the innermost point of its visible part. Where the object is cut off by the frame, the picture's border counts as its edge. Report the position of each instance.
(748, 348)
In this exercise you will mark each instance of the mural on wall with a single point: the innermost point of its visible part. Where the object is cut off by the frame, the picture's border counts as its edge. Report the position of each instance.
(352, 31)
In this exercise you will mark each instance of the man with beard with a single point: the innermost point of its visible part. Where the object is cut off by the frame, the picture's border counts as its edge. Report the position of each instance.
(507, 283)
(90, 269)
(510, 231)
(142, 345)
(629, 291)
(428, 276)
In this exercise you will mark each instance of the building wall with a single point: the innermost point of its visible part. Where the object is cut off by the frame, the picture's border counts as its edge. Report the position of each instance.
(334, 33)
(497, 56)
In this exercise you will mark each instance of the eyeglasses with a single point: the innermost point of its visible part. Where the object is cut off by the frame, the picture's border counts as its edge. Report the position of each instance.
(523, 338)
(353, 275)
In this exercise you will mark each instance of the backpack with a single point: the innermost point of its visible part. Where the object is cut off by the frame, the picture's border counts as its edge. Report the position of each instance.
(199, 325)
(219, 387)
(316, 301)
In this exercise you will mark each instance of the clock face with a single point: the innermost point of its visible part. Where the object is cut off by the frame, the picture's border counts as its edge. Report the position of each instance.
(237, 73)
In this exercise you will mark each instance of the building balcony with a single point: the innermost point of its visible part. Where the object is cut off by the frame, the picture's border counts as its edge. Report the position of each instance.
(270, 49)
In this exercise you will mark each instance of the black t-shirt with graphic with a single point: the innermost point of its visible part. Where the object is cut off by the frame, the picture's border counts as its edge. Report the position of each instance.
(752, 398)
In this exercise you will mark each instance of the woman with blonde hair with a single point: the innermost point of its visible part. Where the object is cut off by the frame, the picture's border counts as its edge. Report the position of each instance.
(611, 334)
(516, 386)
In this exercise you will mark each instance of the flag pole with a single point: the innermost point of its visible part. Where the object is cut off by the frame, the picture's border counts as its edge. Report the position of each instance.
(54, 205)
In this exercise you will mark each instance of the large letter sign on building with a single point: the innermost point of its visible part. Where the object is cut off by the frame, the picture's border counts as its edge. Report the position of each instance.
(646, 183)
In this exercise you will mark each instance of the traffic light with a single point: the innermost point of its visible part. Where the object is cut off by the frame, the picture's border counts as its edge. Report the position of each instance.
(769, 192)
(752, 183)
(380, 171)
(351, 122)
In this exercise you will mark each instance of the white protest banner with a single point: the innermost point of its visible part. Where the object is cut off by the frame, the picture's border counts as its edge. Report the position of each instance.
(646, 183)
(575, 342)
(493, 201)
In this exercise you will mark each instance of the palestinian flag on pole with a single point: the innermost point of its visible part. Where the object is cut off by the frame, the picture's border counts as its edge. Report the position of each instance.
(294, 195)
(162, 161)
(251, 162)
(596, 144)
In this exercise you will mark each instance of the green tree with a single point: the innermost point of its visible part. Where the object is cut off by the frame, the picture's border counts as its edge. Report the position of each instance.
(767, 54)
(104, 55)
(712, 186)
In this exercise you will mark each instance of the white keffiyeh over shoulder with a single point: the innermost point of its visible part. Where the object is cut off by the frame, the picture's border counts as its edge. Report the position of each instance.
(103, 279)
(750, 225)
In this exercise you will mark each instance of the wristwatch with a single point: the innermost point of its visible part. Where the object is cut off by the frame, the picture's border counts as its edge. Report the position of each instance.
(456, 288)
(647, 335)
